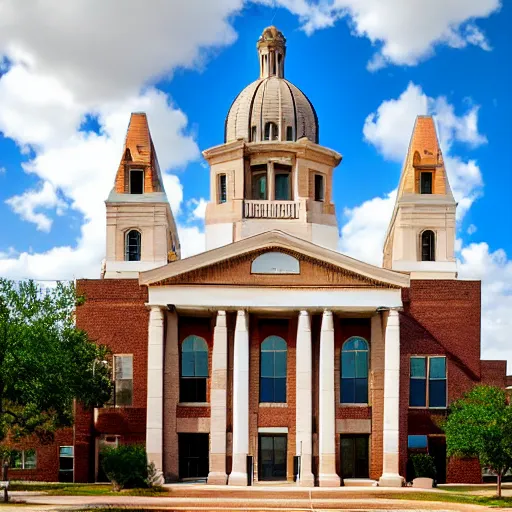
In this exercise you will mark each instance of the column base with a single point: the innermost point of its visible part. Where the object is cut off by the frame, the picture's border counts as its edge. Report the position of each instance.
(391, 480)
(238, 479)
(217, 478)
(157, 479)
(307, 480)
(329, 480)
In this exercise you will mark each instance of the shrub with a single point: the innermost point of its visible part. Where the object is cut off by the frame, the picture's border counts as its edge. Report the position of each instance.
(126, 466)
(424, 465)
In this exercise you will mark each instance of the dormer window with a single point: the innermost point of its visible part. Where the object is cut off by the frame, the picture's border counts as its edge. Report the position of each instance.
(426, 183)
(136, 181)
(271, 131)
(254, 133)
(289, 133)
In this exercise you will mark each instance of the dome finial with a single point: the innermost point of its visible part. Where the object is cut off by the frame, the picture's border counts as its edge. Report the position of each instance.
(271, 51)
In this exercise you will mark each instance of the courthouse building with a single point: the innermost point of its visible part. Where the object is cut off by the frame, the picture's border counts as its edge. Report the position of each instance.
(272, 356)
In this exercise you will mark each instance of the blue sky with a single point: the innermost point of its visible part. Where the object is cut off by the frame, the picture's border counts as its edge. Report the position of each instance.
(369, 67)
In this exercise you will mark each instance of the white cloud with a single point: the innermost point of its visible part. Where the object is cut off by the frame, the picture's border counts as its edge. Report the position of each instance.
(3, 170)
(362, 236)
(45, 197)
(494, 269)
(192, 240)
(405, 32)
(198, 208)
(389, 129)
(472, 229)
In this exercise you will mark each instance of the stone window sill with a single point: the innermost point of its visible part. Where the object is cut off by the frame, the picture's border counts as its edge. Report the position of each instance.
(194, 404)
(354, 405)
(273, 404)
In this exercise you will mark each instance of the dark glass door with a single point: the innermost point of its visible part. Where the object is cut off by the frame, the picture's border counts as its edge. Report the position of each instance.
(272, 457)
(354, 456)
(193, 455)
(437, 448)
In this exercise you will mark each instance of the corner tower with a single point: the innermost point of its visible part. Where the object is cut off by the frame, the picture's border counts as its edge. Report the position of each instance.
(271, 173)
(421, 235)
(141, 232)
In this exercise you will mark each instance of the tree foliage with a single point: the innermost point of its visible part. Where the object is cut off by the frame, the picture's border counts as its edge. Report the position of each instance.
(480, 425)
(45, 361)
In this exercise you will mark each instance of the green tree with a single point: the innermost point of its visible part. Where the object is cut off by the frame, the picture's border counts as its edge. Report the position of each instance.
(480, 425)
(45, 361)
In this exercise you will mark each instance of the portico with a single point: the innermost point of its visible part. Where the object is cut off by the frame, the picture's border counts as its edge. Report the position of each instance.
(307, 415)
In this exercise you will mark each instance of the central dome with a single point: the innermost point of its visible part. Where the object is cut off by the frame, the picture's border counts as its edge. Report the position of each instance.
(271, 108)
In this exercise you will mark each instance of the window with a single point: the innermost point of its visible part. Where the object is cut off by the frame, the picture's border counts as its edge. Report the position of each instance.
(417, 442)
(254, 133)
(273, 370)
(123, 380)
(289, 133)
(259, 182)
(132, 245)
(428, 246)
(222, 188)
(354, 371)
(432, 392)
(271, 131)
(23, 459)
(426, 183)
(319, 187)
(282, 175)
(274, 262)
(136, 181)
(66, 463)
(194, 369)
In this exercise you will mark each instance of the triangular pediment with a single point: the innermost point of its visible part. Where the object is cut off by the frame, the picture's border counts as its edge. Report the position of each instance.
(237, 264)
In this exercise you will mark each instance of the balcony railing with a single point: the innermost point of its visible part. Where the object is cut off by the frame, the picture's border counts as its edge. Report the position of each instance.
(259, 209)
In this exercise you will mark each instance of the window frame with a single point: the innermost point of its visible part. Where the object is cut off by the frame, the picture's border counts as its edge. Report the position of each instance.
(130, 180)
(259, 171)
(222, 195)
(427, 381)
(355, 404)
(432, 247)
(284, 170)
(431, 177)
(23, 456)
(193, 378)
(114, 380)
(319, 198)
(260, 376)
(126, 249)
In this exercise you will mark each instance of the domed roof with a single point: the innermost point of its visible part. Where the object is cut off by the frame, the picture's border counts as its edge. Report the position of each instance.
(271, 108)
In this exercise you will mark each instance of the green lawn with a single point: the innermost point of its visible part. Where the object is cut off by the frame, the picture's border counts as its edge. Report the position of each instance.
(59, 489)
(447, 497)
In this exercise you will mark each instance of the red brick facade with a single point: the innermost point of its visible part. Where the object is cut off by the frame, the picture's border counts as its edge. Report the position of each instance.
(439, 318)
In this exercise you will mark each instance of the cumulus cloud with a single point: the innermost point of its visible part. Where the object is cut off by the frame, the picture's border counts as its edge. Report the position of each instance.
(63, 65)
(198, 208)
(404, 32)
(389, 129)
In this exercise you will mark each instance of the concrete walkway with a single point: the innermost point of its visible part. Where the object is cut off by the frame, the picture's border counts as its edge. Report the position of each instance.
(194, 497)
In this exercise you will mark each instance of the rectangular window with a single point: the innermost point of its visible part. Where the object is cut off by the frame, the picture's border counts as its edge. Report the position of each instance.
(123, 380)
(222, 188)
(319, 187)
(66, 463)
(426, 183)
(433, 392)
(253, 133)
(23, 459)
(283, 190)
(136, 181)
(289, 133)
(259, 182)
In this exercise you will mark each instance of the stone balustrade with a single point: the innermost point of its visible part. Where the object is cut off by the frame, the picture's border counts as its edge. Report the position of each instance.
(262, 209)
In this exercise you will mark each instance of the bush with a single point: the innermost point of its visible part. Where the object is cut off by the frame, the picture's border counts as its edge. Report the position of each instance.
(126, 466)
(424, 466)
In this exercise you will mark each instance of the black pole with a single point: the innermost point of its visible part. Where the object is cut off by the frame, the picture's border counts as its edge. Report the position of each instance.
(6, 481)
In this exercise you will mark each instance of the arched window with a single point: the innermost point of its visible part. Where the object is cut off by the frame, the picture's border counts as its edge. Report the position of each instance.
(194, 369)
(354, 371)
(273, 370)
(132, 245)
(271, 131)
(428, 246)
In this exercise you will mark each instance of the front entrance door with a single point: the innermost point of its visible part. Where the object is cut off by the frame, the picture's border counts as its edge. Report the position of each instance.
(272, 457)
(437, 448)
(354, 456)
(193, 455)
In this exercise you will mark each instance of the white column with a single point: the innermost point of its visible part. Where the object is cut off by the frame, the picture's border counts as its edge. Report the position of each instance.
(154, 418)
(304, 401)
(327, 476)
(218, 402)
(390, 464)
(238, 474)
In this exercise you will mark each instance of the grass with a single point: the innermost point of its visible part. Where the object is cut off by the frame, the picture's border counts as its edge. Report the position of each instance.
(60, 489)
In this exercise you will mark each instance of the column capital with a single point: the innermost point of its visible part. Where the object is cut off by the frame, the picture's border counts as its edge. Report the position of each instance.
(327, 321)
(221, 319)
